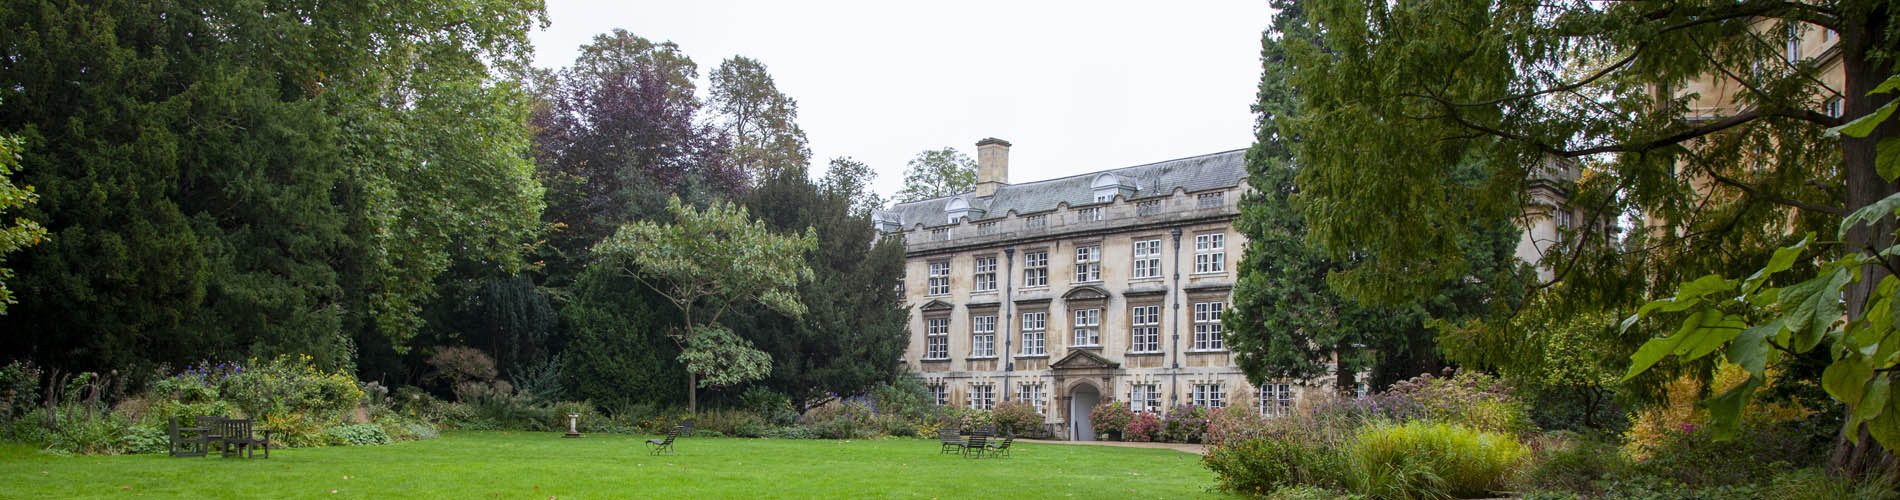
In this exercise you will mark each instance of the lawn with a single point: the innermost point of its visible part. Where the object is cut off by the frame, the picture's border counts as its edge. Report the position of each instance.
(544, 465)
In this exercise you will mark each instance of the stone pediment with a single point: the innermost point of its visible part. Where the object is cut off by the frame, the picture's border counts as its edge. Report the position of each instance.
(1085, 293)
(1082, 359)
(936, 306)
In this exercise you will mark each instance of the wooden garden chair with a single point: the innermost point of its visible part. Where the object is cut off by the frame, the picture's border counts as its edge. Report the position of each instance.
(978, 444)
(658, 446)
(1002, 449)
(950, 440)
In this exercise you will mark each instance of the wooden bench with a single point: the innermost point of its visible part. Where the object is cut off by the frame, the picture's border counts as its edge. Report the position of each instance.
(232, 436)
(188, 441)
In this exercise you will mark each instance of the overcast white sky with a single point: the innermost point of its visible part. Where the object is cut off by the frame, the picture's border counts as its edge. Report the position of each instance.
(1076, 87)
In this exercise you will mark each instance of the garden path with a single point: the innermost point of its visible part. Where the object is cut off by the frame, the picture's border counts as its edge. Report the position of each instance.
(1197, 449)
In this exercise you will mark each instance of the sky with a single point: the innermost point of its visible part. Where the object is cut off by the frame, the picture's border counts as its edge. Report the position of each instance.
(1075, 86)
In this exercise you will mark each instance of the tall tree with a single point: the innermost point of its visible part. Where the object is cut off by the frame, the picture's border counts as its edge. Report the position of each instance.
(21, 233)
(937, 172)
(300, 177)
(853, 331)
(706, 262)
(1287, 320)
(617, 136)
(761, 121)
(852, 179)
(1413, 87)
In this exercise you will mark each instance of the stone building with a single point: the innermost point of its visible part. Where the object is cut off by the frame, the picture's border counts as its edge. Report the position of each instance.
(1068, 292)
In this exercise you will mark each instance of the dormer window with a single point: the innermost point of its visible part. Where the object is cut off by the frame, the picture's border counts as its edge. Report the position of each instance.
(959, 210)
(1107, 186)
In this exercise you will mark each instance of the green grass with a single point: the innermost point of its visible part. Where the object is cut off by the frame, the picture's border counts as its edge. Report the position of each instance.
(544, 465)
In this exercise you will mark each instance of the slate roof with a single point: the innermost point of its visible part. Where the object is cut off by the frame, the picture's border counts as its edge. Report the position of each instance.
(1196, 173)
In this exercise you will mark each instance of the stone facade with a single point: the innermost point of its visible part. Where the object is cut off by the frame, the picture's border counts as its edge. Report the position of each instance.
(1069, 292)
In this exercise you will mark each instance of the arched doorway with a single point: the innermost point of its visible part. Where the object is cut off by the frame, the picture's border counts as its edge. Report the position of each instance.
(1082, 400)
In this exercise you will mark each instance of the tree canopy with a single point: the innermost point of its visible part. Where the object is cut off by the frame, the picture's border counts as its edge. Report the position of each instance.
(761, 121)
(706, 262)
(293, 184)
(1703, 139)
(937, 172)
(20, 233)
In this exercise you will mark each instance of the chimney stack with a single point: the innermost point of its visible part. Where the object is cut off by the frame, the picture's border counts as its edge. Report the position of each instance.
(992, 166)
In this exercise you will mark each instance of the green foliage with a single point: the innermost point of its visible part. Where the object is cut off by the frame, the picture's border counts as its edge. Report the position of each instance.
(294, 186)
(1568, 362)
(1469, 398)
(620, 353)
(721, 358)
(1576, 467)
(761, 121)
(772, 407)
(90, 433)
(21, 232)
(936, 173)
(19, 390)
(708, 261)
(1270, 463)
(1431, 460)
(1692, 456)
(292, 386)
(356, 435)
(855, 315)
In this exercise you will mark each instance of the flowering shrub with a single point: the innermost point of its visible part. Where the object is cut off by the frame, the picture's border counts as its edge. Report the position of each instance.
(1234, 424)
(292, 385)
(1184, 424)
(1015, 417)
(1110, 419)
(1143, 427)
(1465, 397)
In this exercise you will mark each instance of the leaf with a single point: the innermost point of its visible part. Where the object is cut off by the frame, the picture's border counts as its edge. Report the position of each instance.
(1874, 399)
(1812, 306)
(1846, 379)
(1702, 286)
(1655, 349)
(1892, 82)
(1689, 295)
(1870, 213)
(1784, 258)
(1750, 349)
(1864, 125)
(1725, 411)
(1886, 427)
(1887, 158)
(1710, 336)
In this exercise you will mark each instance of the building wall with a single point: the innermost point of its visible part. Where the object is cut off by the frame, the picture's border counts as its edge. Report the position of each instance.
(1011, 238)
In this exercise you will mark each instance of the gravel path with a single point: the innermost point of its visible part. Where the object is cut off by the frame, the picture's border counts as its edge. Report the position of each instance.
(1197, 449)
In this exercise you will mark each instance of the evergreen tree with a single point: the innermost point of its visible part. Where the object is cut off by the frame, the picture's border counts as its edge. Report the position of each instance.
(853, 331)
(296, 180)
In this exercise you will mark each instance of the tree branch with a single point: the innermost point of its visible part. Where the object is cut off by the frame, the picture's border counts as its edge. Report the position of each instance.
(1759, 194)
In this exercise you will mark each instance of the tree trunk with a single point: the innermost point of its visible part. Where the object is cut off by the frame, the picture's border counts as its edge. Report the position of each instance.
(1345, 382)
(1864, 186)
(692, 393)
